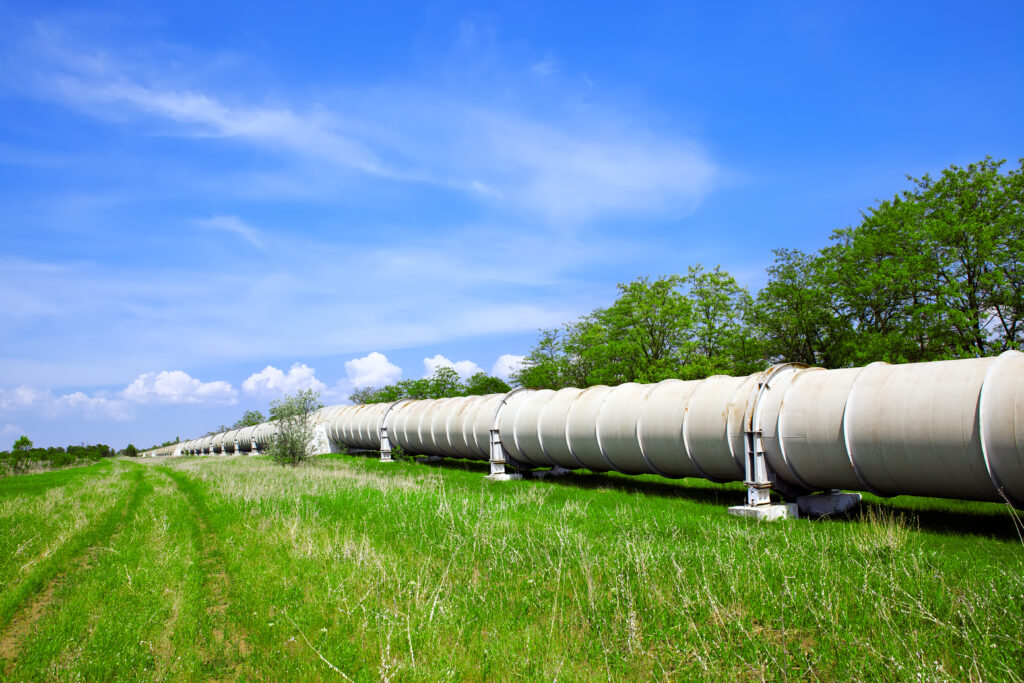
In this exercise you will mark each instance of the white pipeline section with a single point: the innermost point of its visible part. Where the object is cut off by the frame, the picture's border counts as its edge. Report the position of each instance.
(951, 429)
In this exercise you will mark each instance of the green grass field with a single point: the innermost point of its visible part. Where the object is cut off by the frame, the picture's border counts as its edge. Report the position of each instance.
(347, 568)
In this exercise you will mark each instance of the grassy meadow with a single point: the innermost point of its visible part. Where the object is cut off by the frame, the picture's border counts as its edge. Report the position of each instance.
(349, 569)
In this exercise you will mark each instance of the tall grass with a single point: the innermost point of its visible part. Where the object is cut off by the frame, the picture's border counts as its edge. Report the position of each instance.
(349, 567)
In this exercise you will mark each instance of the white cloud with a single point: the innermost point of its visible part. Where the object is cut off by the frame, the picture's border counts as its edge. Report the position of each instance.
(175, 386)
(573, 163)
(372, 370)
(11, 430)
(546, 66)
(92, 406)
(23, 396)
(506, 364)
(26, 399)
(271, 380)
(203, 115)
(464, 368)
(234, 225)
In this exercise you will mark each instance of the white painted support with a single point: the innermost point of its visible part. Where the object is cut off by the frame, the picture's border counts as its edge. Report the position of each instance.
(498, 456)
(757, 479)
(385, 443)
(385, 438)
(499, 460)
(758, 476)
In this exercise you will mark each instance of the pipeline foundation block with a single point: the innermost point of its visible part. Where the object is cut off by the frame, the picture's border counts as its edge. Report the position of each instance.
(503, 476)
(766, 513)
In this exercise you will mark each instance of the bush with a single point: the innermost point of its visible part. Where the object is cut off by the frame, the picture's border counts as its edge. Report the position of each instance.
(294, 416)
(23, 457)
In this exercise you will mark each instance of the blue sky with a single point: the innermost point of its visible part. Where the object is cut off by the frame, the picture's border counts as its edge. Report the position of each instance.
(206, 206)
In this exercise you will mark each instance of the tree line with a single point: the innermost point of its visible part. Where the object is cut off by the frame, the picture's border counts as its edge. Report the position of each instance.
(444, 383)
(936, 272)
(24, 456)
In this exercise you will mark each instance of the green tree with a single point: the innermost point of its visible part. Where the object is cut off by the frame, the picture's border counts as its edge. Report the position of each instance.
(545, 366)
(648, 332)
(364, 395)
(293, 440)
(23, 444)
(481, 384)
(935, 272)
(796, 312)
(131, 451)
(646, 335)
(250, 418)
(444, 383)
(724, 339)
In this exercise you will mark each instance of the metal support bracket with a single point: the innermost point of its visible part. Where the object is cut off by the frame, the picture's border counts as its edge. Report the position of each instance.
(499, 460)
(385, 445)
(758, 476)
(497, 454)
(382, 430)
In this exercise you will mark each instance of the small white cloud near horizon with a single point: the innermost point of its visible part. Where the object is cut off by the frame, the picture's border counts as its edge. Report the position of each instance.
(176, 386)
(234, 225)
(11, 430)
(464, 368)
(372, 370)
(271, 381)
(506, 364)
(42, 401)
(92, 406)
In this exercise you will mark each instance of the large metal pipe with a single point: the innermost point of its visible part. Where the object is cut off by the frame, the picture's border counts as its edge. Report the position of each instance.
(950, 429)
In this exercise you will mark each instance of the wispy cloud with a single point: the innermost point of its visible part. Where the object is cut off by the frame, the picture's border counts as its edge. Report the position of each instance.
(569, 166)
(546, 66)
(233, 225)
(11, 430)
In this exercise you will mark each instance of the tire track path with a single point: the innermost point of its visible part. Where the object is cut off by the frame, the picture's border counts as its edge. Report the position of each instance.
(228, 648)
(31, 601)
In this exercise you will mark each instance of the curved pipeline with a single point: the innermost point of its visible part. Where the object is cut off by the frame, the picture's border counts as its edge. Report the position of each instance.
(949, 429)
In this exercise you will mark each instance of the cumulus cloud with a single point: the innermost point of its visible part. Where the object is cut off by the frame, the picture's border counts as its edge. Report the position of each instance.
(30, 399)
(175, 386)
(23, 396)
(372, 370)
(271, 380)
(92, 406)
(506, 364)
(464, 368)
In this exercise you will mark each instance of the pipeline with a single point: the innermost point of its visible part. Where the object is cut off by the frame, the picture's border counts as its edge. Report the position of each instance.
(946, 429)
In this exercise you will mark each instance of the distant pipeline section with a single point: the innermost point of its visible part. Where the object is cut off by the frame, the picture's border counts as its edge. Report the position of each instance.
(948, 429)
